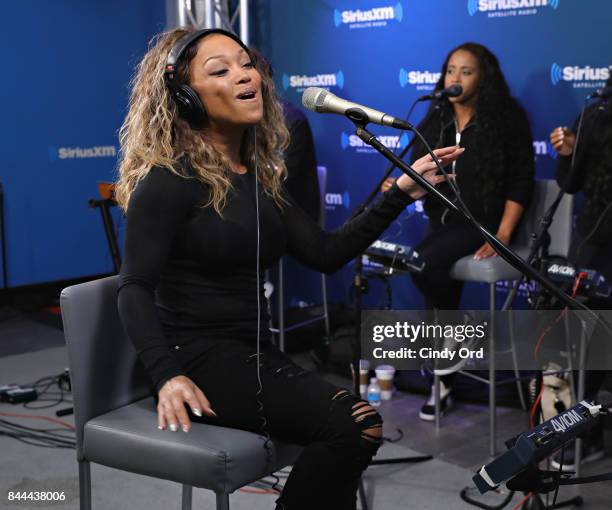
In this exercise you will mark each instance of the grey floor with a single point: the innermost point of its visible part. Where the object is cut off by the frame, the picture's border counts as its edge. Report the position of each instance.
(459, 448)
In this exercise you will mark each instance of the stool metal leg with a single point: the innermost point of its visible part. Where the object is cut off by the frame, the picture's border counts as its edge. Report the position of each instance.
(492, 382)
(222, 501)
(325, 307)
(186, 497)
(570, 365)
(581, 390)
(281, 306)
(437, 406)
(436, 385)
(362, 495)
(84, 485)
(517, 374)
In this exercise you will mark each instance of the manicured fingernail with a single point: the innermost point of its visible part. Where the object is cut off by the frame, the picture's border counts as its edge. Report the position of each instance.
(185, 428)
(212, 412)
(197, 412)
(160, 427)
(173, 428)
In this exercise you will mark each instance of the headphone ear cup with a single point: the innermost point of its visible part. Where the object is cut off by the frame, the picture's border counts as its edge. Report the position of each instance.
(189, 105)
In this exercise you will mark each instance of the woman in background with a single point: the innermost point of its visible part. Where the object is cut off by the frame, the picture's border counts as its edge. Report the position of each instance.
(592, 244)
(592, 238)
(495, 176)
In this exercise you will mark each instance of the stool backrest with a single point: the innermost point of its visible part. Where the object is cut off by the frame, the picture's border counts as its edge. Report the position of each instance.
(560, 230)
(104, 369)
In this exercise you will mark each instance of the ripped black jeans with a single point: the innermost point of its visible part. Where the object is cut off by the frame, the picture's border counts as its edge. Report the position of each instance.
(340, 433)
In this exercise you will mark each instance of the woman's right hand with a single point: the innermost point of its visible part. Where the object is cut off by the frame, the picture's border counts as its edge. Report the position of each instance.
(174, 395)
(426, 167)
(563, 140)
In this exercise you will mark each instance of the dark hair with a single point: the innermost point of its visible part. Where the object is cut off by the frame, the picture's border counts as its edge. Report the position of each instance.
(499, 116)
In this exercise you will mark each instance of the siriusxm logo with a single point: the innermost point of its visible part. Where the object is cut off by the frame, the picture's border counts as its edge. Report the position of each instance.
(544, 148)
(421, 80)
(391, 142)
(580, 77)
(376, 17)
(335, 200)
(302, 81)
(105, 151)
(502, 8)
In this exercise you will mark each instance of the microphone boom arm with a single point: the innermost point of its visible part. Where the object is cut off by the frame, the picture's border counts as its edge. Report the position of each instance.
(504, 251)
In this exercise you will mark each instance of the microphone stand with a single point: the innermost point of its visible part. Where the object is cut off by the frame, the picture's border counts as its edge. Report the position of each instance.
(539, 244)
(360, 285)
(538, 251)
(541, 240)
(401, 155)
(506, 253)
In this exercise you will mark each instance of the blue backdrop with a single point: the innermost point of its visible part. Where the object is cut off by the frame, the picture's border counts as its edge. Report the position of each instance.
(68, 65)
(386, 53)
(64, 91)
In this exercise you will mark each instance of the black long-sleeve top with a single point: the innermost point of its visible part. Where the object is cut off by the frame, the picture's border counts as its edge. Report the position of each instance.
(516, 172)
(593, 168)
(189, 276)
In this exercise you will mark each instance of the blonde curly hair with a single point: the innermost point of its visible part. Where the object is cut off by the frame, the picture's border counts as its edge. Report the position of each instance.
(153, 133)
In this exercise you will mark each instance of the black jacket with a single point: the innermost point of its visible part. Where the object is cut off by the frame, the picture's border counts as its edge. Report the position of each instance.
(592, 175)
(514, 178)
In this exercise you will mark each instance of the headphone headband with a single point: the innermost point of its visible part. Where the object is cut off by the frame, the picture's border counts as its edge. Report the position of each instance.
(184, 42)
(186, 99)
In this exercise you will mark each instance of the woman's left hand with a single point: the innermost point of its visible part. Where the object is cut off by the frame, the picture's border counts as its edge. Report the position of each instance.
(427, 168)
(486, 250)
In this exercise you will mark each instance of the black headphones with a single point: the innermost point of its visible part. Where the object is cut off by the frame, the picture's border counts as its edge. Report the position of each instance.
(187, 101)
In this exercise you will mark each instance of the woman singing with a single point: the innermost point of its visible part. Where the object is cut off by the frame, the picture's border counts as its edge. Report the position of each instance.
(201, 184)
(494, 177)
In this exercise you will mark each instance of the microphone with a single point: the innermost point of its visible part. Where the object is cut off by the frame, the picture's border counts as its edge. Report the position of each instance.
(452, 91)
(602, 93)
(322, 101)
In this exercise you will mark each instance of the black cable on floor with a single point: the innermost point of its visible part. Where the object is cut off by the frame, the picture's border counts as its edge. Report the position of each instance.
(479, 504)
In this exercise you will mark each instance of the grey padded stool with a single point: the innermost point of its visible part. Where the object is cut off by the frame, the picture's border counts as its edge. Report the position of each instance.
(116, 419)
(494, 269)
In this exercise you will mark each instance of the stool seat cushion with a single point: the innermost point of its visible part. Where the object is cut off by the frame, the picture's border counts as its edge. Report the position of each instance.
(489, 270)
(211, 457)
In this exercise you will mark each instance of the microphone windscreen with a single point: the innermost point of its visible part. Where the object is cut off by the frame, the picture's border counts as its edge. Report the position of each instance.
(454, 90)
(313, 98)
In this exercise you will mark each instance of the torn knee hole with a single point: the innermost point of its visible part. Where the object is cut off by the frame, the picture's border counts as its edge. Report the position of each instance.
(361, 410)
(341, 394)
(362, 416)
(366, 415)
(372, 434)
